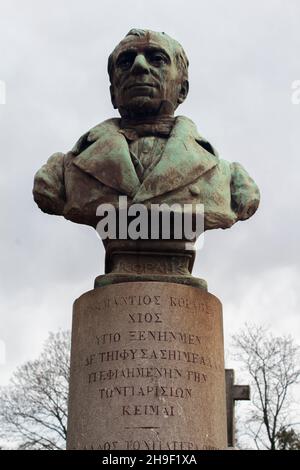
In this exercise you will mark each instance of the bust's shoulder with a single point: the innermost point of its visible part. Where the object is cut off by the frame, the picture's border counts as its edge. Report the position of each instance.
(188, 127)
(93, 134)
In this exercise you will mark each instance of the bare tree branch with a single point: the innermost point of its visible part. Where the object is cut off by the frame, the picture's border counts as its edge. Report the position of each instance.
(33, 407)
(273, 366)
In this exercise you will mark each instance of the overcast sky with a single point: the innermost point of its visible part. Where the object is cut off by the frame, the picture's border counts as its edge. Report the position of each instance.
(244, 57)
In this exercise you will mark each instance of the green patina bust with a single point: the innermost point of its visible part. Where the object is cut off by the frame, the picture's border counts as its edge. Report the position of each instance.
(147, 154)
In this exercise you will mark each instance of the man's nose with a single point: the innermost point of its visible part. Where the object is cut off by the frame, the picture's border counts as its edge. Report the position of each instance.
(140, 65)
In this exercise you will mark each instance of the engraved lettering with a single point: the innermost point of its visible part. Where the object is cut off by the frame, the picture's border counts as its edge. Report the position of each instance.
(134, 372)
(161, 445)
(90, 359)
(135, 300)
(108, 338)
(184, 302)
(147, 410)
(109, 445)
(196, 376)
(144, 353)
(144, 317)
(165, 336)
(146, 391)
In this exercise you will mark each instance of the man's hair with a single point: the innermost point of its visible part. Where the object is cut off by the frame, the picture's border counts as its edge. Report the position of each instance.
(178, 51)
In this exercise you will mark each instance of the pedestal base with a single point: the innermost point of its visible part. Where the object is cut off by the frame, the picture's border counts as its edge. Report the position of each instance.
(147, 369)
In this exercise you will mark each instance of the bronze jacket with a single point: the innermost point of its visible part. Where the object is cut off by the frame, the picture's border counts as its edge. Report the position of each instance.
(99, 169)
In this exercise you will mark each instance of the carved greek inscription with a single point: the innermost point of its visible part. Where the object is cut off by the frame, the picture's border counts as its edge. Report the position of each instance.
(132, 300)
(146, 300)
(147, 410)
(196, 376)
(150, 268)
(161, 445)
(90, 359)
(108, 445)
(165, 336)
(146, 391)
(147, 317)
(126, 300)
(146, 373)
(186, 303)
(135, 373)
(153, 354)
(108, 338)
(148, 366)
(148, 445)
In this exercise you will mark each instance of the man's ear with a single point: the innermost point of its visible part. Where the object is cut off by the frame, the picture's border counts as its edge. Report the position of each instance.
(112, 96)
(183, 91)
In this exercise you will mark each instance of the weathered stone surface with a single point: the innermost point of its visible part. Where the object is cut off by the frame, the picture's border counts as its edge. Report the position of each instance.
(147, 369)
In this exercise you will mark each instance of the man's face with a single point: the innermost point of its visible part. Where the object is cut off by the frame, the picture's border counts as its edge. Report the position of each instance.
(146, 80)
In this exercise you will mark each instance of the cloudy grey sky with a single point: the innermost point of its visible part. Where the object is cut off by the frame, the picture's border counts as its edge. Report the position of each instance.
(244, 57)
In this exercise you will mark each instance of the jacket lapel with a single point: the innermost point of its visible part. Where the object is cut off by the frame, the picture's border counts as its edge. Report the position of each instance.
(108, 159)
(183, 161)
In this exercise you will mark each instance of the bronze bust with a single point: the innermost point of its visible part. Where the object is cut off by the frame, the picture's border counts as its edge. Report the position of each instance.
(151, 157)
(147, 154)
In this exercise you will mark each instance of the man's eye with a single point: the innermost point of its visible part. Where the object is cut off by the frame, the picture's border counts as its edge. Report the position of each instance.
(125, 62)
(157, 58)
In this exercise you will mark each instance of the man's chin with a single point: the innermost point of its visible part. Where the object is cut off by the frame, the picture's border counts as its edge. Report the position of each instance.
(141, 106)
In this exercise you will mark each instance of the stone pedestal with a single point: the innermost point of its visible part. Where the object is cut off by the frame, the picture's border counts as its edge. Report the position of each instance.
(147, 369)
